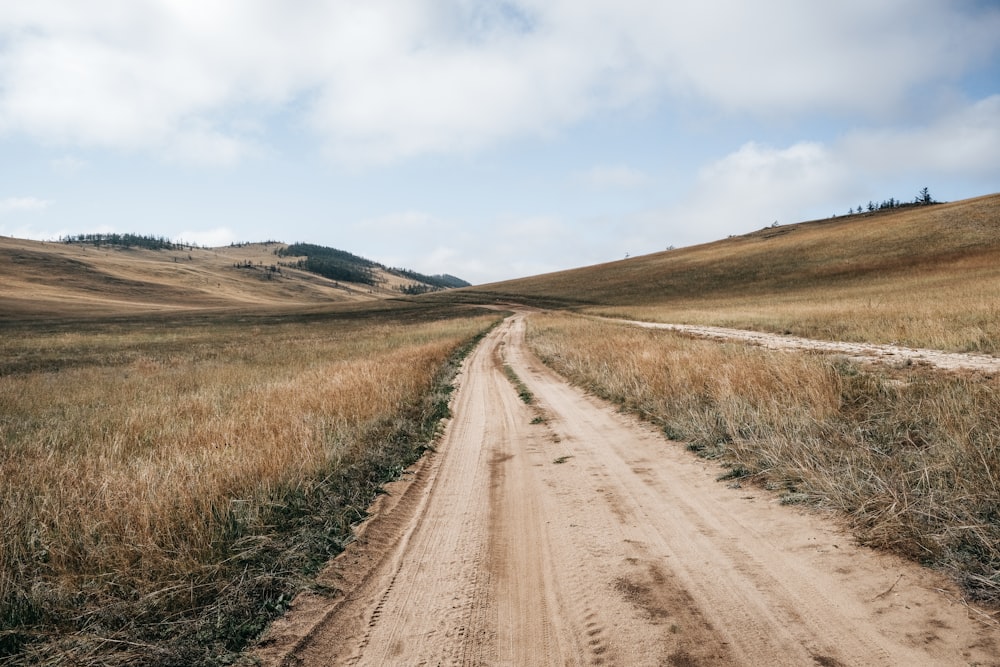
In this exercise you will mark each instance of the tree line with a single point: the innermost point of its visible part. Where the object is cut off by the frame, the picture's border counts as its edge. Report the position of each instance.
(923, 198)
(330, 263)
(124, 241)
(343, 266)
(439, 281)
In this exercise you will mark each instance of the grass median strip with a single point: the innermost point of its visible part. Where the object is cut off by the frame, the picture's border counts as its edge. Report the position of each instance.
(522, 389)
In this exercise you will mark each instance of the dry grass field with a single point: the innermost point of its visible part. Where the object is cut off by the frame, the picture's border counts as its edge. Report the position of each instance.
(922, 276)
(910, 457)
(183, 441)
(39, 280)
(167, 482)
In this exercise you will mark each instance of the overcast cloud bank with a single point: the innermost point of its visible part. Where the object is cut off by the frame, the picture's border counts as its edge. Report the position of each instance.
(752, 113)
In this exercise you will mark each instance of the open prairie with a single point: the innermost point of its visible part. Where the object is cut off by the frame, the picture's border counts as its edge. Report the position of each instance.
(910, 456)
(167, 482)
(181, 463)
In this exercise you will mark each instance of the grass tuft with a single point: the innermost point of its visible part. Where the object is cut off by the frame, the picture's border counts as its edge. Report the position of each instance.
(522, 389)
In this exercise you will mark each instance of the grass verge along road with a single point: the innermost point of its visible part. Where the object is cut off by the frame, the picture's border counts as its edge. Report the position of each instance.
(563, 532)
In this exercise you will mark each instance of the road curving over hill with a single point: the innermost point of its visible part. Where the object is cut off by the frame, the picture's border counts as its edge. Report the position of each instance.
(563, 532)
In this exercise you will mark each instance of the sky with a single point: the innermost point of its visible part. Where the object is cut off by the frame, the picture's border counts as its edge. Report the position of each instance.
(488, 139)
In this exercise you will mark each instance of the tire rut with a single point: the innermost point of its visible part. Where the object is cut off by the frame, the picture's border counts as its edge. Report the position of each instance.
(566, 533)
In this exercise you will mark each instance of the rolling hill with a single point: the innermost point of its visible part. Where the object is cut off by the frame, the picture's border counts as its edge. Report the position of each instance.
(925, 276)
(838, 252)
(104, 276)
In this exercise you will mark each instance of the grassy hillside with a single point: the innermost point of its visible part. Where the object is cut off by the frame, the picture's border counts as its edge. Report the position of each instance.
(45, 280)
(925, 276)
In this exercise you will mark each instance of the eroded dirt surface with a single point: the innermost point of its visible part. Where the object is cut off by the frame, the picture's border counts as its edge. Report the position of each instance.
(890, 354)
(566, 533)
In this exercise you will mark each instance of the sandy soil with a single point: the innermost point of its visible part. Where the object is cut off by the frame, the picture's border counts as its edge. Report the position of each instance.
(892, 354)
(567, 533)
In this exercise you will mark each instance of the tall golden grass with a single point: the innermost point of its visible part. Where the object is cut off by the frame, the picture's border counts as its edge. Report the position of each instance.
(911, 457)
(139, 466)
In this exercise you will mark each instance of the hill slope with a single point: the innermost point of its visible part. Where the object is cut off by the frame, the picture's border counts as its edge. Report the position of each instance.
(925, 276)
(42, 280)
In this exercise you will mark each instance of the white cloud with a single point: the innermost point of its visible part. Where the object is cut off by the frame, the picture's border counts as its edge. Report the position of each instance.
(136, 75)
(757, 185)
(11, 204)
(786, 57)
(966, 140)
(424, 92)
(613, 177)
(209, 238)
(384, 80)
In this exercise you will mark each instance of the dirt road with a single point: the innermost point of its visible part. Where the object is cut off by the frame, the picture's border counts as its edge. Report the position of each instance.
(859, 351)
(564, 533)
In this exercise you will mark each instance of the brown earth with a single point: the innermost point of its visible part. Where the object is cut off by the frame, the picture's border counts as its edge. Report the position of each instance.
(566, 533)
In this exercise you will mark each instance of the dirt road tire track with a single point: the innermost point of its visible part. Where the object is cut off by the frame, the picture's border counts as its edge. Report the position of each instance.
(566, 533)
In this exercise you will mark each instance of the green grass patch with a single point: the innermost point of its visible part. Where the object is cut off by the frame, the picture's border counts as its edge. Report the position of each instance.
(522, 390)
